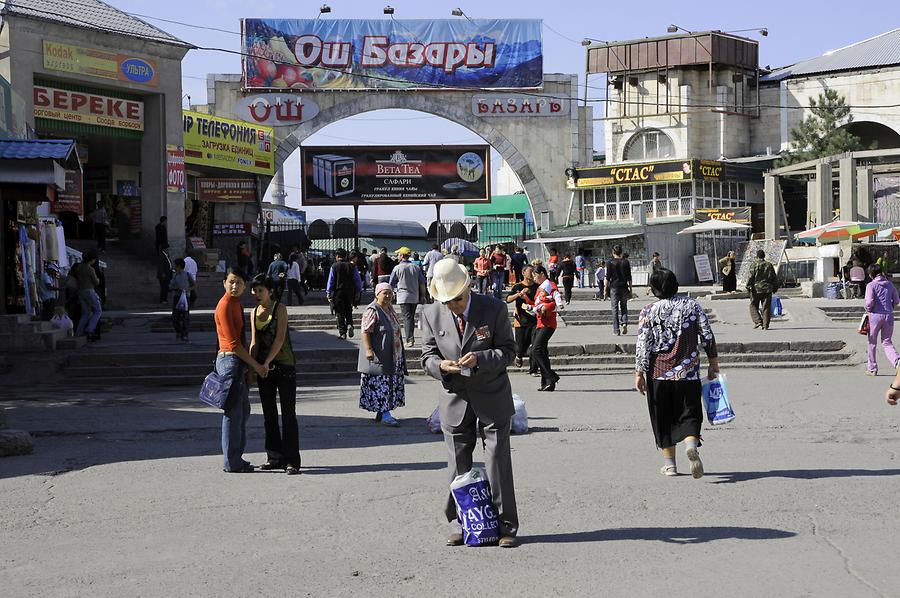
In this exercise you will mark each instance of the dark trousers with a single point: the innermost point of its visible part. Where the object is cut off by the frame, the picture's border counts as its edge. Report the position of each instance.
(524, 338)
(567, 288)
(619, 307)
(761, 308)
(517, 272)
(181, 319)
(100, 235)
(163, 289)
(343, 311)
(47, 308)
(282, 446)
(408, 316)
(540, 354)
(293, 288)
(461, 442)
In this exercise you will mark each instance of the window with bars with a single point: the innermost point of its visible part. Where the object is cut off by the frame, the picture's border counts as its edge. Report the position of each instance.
(649, 144)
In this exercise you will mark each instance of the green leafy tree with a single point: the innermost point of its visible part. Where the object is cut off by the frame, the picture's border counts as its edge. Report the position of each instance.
(821, 133)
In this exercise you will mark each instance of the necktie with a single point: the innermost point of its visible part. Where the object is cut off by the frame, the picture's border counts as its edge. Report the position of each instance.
(461, 325)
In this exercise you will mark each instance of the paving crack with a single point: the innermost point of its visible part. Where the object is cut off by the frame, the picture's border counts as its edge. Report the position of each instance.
(848, 567)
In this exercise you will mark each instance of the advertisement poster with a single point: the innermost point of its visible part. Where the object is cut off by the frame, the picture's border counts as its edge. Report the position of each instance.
(104, 64)
(238, 190)
(703, 267)
(386, 174)
(88, 108)
(175, 175)
(392, 54)
(736, 215)
(72, 199)
(229, 144)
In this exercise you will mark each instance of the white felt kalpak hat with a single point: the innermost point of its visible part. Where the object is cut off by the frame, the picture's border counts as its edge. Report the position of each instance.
(449, 281)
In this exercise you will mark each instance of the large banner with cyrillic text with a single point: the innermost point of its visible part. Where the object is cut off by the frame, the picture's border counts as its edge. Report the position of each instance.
(392, 54)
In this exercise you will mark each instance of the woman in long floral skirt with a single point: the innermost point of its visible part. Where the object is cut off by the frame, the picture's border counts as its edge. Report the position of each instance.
(382, 362)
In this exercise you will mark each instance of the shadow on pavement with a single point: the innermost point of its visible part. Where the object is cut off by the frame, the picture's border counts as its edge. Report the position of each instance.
(669, 535)
(801, 474)
(374, 468)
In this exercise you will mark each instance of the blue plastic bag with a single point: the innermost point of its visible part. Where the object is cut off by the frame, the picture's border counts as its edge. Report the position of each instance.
(776, 306)
(715, 401)
(475, 508)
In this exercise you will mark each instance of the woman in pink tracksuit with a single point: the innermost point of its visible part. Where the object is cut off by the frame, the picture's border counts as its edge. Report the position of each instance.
(881, 299)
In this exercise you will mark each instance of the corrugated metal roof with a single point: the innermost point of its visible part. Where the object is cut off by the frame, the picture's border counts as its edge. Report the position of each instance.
(89, 14)
(36, 149)
(881, 50)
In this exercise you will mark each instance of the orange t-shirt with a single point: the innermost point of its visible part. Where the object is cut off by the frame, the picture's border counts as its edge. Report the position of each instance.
(229, 322)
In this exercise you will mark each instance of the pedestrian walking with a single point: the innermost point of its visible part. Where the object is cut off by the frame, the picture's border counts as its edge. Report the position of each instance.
(482, 272)
(600, 278)
(655, 264)
(361, 261)
(498, 270)
(408, 283)
(617, 288)
(580, 267)
(431, 258)
(553, 265)
(342, 291)
(91, 310)
(467, 346)
(101, 221)
(294, 276)
(761, 283)
(190, 266)
(382, 361)
(164, 269)
(232, 361)
(278, 273)
(546, 304)
(667, 369)
(384, 265)
(519, 260)
(567, 273)
(524, 320)
(270, 346)
(48, 290)
(881, 300)
(162, 235)
(244, 261)
(729, 273)
(182, 284)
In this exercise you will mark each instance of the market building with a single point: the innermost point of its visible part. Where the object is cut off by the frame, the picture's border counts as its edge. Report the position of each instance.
(92, 73)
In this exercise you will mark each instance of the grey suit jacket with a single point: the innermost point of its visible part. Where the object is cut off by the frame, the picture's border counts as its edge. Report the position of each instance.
(489, 335)
(405, 278)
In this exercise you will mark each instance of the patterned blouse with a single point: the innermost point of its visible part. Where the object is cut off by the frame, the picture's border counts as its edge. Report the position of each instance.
(370, 319)
(668, 335)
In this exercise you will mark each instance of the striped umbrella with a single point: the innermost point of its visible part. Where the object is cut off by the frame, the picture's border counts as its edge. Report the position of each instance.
(839, 230)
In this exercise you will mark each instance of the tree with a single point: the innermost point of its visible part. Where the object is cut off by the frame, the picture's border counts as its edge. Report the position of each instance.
(821, 133)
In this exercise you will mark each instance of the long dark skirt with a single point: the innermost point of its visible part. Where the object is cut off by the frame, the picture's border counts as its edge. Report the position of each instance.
(675, 410)
(729, 282)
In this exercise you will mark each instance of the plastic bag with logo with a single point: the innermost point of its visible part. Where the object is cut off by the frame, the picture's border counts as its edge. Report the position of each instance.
(715, 401)
(475, 508)
(519, 424)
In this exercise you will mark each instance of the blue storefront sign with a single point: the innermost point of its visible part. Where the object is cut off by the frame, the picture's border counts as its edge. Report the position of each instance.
(137, 70)
(392, 54)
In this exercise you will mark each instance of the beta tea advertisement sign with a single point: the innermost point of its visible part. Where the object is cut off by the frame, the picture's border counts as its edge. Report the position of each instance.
(356, 175)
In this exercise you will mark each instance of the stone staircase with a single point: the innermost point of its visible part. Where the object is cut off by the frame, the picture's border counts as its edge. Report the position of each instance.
(603, 315)
(339, 365)
(848, 313)
(20, 334)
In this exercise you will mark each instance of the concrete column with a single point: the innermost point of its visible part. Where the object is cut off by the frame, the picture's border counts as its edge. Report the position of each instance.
(865, 195)
(848, 189)
(812, 205)
(772, 212)
(823, 193)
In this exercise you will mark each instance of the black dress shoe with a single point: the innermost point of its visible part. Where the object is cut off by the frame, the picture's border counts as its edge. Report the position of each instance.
(549, 387)
(270, 465)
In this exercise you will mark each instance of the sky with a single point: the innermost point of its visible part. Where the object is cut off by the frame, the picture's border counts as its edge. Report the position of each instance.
(798, 29)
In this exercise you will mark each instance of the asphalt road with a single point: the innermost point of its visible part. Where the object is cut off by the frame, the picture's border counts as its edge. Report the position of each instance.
(124, 496)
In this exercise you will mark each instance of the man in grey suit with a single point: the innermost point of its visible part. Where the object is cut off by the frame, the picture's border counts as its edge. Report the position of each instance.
(406, 279)
(467, 345)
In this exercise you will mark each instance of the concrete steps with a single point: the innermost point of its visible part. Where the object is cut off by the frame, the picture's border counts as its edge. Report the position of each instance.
(20, 334)
(848, 313)
(339, 365)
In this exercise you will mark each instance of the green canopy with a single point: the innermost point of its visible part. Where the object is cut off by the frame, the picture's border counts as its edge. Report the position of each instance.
(500, 204)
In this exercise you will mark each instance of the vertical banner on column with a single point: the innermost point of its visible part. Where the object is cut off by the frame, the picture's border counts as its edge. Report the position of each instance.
(175, 175)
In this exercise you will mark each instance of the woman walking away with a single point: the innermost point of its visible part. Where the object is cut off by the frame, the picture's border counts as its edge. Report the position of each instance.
(729, 273)
(545, 305)
(482, 272)
(89, 322)
(232, 361)
(667, 368)
(567, 275)
(382, 363)
(881, 299)
(183, 284)
(294, 275)
(270, 345)
(523, 294)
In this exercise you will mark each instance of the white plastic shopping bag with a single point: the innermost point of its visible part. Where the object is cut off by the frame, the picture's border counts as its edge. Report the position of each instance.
(475, 507)
(715, 401)
(519, 424)
(182, 304)
(433, 423)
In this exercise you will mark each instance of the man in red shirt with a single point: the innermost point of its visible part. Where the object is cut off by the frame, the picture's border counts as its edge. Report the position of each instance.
(232, 360)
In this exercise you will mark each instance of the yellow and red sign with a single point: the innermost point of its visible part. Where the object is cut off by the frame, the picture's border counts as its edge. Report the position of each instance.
(88, 108)
(99, 63)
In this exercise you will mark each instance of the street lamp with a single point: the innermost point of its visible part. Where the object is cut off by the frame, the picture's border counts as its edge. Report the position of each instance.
(676, 29)
(388, 10)
(763, 31)
(324, 9)
(590, 40)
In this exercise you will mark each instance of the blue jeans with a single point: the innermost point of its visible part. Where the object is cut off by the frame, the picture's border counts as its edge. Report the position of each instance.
(579, 276)
(90, 311)
(497, 277)
(483, 282)
(234, 421)
(619, 307)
